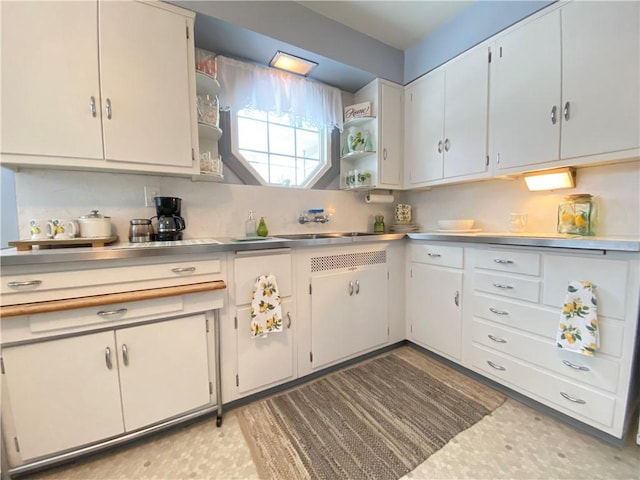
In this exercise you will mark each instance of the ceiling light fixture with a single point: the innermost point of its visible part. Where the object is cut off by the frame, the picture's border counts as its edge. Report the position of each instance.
(291, 63)
(551, 179)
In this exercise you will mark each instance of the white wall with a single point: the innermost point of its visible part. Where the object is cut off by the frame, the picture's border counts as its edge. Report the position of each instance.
(614, 187)
(212, 209)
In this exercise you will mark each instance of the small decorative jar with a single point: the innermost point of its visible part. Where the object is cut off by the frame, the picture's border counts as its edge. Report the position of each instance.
(577, 215)
(378, 226)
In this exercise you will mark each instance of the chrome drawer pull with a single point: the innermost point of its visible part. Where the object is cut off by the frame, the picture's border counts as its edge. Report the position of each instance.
(107, 358)
(183, 269)
(500, 285)
(496, 366)
(350, 289)
(28, 283)
(108, 313)
(571, 399)
(125, 355)
(289, 317)
(498, 312)
(497, 339)
(500, 260)
(357, 287)
(456, 299)
(576, 367)
(436, 255)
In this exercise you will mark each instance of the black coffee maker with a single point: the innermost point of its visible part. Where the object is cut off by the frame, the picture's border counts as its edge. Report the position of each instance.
(170, 224)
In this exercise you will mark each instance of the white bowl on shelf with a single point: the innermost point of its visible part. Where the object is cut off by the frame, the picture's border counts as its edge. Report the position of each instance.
(464, 224)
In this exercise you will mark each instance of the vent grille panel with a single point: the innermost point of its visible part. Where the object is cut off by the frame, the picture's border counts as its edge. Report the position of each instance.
(347, 260)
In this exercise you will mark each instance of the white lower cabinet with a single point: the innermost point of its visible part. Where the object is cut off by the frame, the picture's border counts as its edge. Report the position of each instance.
(434, 297)
(349, 312)
(516, 295)
(263, 362)
(74, 391)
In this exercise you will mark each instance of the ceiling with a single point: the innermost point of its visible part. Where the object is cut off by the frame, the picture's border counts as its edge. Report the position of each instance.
(399, 24)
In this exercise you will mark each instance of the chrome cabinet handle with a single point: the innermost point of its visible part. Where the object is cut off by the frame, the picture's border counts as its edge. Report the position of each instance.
(350, 288)
(107, 358)
(108, 313)
(576, 367)
(497, 339)
(502, 261)
(26, 283)
(125, 355)
(384, 153)
(108, 108)
(498, 312)
(447, 144)
(435, 255)
(93, 106)
(456, 299)
(554, 111)
(440, 146)
(573, 399)
(566, 111)
(289, 317)
(496, 366)
(357, 287)
(183, 269)
(500, 285)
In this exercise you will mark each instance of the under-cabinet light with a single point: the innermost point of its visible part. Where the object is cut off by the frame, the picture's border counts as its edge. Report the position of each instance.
(291, 63)
(550, 179)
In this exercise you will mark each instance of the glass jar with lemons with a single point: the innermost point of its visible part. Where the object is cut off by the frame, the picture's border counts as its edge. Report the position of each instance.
(577, 215)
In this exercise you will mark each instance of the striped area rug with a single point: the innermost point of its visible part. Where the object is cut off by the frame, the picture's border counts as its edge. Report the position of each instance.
(378, 419)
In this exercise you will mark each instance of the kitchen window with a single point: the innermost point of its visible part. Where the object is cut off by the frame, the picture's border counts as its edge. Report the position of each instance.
(280, 149)
(281, 123)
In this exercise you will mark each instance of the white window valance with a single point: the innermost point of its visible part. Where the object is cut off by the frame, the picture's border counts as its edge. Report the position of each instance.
(245, 85)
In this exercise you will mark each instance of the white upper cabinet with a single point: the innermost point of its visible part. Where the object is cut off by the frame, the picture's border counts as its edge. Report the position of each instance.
(106, 85)
(381, 162)
(446, 122)
(600, 77)
(565, 85)
(49, 78)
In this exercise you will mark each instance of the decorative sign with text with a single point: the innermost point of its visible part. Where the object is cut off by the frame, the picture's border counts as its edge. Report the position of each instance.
(357, 111)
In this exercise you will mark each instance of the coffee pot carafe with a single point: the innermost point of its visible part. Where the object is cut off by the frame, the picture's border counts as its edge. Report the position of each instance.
(170, 224)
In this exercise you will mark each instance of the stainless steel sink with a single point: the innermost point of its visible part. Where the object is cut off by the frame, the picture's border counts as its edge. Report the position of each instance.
(312, 236)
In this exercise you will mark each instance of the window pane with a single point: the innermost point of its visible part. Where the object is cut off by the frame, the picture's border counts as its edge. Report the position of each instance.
(252, 135)
(281, 140)
(283, 171)
(255, 114)
(308, 144)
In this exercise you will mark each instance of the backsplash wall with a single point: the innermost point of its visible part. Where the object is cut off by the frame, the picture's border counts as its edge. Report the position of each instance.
(212, 209)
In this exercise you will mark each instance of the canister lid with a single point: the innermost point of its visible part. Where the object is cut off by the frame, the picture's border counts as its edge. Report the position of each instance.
(140, 221)
(93, 214)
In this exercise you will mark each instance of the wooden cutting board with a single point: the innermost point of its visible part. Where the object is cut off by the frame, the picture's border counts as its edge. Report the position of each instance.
(24, 245)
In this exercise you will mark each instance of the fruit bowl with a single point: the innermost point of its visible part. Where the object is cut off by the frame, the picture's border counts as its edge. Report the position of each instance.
(464, 224)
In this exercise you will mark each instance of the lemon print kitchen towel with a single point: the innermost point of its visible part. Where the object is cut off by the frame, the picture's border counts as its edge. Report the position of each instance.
(266, 311)
(578, 328)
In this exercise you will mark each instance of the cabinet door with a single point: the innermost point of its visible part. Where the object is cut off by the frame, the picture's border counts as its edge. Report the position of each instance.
(600, 77)
(466, 114)
(49, 75)
(144, 74)
(525, 87)
(164, 369)
(330, 316)
(63, 393)
(434, 308)
(390, 149)
(264, 361)
(424, 128)
(369, 320)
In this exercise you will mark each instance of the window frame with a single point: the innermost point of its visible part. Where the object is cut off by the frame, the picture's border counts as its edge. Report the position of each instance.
(324, 156)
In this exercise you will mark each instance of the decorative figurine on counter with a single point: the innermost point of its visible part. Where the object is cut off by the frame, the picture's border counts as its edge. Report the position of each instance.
(262, 228)
(378, 226)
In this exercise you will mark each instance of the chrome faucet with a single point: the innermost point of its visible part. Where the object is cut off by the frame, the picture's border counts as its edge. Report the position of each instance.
(316, 215)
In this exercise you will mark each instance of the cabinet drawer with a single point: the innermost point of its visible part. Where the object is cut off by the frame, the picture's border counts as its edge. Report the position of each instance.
(442, 255)
(508, 261)
(248, 268)
(542, 321)
(521, 288)
(596, 371)
(40, 287)
(546, 387)
(610, 277)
